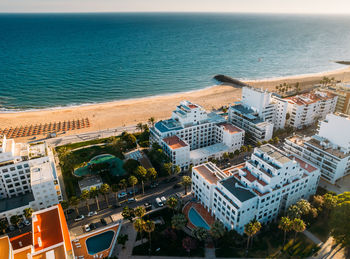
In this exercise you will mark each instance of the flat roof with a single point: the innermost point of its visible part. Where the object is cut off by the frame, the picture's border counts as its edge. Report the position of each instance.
(247, 113)
(41, 172)
(303, 164)
(208, 151)
(251, 178)
(90, 181)
(167, 125)
(237, 190)
(21, 241)
(206, 173)
(230, 128)
(174, 142)
(4, 246)
(275, 153)
(310, 97)
(16, 202)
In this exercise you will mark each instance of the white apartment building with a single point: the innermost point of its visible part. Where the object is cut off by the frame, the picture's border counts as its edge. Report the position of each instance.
(27, 178)
(329, 149)
(258, 113)
(192, 136)
(305, 109)
(260, 188)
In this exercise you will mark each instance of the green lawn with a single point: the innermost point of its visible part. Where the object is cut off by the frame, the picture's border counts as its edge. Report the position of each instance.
(89, 142)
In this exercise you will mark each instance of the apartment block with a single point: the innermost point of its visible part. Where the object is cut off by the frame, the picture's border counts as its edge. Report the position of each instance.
(28, 178)
(329, 149)
(261, 188)
(192, 136)
(343, 93)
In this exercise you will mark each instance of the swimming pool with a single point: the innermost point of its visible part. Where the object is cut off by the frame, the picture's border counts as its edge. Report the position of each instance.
(100, 242)
(197, 219)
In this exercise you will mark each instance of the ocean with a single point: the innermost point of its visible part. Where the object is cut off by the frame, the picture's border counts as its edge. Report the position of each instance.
(55, 60)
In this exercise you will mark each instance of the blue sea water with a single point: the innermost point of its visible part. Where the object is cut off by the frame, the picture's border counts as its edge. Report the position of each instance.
(50, 60)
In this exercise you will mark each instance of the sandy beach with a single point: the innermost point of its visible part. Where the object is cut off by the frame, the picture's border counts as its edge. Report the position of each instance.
(130, 112)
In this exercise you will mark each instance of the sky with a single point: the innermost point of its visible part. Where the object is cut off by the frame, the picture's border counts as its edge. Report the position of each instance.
(254, 6)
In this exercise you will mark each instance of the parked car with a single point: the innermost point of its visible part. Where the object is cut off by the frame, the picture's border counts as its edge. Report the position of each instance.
(154, 184)
(176, 186)
(159, 202)
(11, 228)
(87, 228)
(79, 218)
(148, 206)
(131, 200)
(131, 192)
(26, 222)
(163, 199)
(103, 222)
(122, 195)
(92, 213)
(92, 226)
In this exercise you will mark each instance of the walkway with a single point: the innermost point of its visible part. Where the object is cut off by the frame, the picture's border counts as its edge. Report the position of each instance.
(126, 253)
(313, 238)
(330, 251)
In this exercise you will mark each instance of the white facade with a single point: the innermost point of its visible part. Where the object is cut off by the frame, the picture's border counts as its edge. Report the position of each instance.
(305, 109)
(260, 188)
(192, 136)
(329, 149)
(27, 178)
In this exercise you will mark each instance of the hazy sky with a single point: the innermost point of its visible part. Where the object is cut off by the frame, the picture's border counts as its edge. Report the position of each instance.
(271, 6)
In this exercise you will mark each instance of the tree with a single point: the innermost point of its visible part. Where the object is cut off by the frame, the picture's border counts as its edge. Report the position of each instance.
(226, 156)
(122, 239)
(115, 189)
(129, 139)
(287, 116)
(298, 225)
(94, 193)
(330, 201)
(176, 169)
(128, 213)
(65, 206)
(123, 184)
(28, 212)
(168, 168)
(172, 203)
(15, 220)
(133, 181)
(285, 224)
(236, 152)
(149, 227)
(178, 221)
(251, 229)
(200, 233)
(217, 230)
(339, 220)
(258, 144)
(3, 225)
(139, 211)
(304, 206)
(141, 173)
(186, 182)
(139, 126)
(74, 201)
(294, 212)
(244, 149)
(138, 226)
(189, 244)
(105, 190)
(276, 140)
(85, 196)
(130, 165)
(151, 173)
(151, 121)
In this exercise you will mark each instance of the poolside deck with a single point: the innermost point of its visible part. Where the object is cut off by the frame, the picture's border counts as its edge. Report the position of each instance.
(201, 210)
(81, 250)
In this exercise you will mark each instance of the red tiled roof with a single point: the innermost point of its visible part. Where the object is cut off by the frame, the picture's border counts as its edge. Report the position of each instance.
(251, 178)
(21, 241)
(174, 142)
(192, 106)
(305, 165)
(230, 128)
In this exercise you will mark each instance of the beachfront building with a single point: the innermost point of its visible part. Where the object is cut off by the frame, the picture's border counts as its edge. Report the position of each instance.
(28, 178)
(258, 113)
(259, 188)
(306, 109)
(192, 136)
(343, 92)
(49, 238)
(329, 149)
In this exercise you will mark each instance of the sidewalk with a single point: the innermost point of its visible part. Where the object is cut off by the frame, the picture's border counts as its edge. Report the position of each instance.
(313, 238)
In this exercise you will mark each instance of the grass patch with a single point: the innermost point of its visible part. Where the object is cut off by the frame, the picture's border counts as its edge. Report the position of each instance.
(89, 142)
(320, 228)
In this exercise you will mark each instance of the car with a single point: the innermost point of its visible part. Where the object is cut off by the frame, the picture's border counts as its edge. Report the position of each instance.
(70, 211)
(159, 202)
(122, 195)
(103, 221)
(132, 191)
(131, 200)
(178, 195)
(154, 184)
(148, 206)
(92, 226)
(87, 228)
(176, 186)
(163, 199)
(79, 218)
(26, 222)
(11, 228)
(92, 213)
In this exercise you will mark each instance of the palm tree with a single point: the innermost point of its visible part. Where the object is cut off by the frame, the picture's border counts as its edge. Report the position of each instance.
(94, 193)
(141, 173)
(186, 182)
(16, 220)
(115, 190)
(149, 227)
(3, 225)
(151, 173)
(85, 196)
(178, 221)
(172, 203)
(168, 168)
(217, 230)
(65, 206)
(251, 229)
(123, 184)
(133, 181)
(139, 211)
(244, 149)
(28, 212)
(285, 224)
(105, 189)
(139, 126)
(151, 121)
(298, 225)
(74, 201)
(138, 225)
(176, 169)
(200, 233)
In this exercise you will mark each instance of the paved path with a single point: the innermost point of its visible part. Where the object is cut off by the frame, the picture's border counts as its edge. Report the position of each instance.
(330, 251)
(313, 238)
(125, 253)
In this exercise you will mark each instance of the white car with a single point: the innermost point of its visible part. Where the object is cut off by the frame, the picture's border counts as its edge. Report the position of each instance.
(159, 202)
(79, 218)
(163, 199)
(122, 195)
(92, 213)
(87, 228)
(26, 222)
(131, 200)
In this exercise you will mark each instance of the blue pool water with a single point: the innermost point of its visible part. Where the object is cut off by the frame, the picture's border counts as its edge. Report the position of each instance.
(197, 219)
(99, 242)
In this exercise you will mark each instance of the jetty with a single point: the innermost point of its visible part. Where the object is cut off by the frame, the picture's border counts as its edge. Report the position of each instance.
(229, 80)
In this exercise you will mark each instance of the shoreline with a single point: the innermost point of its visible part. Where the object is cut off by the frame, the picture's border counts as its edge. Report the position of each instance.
(132, 111)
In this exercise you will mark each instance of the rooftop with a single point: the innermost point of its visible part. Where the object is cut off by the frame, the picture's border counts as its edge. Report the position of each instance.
(303, 164)
(251, 178)
(174, 142)
(247, 113)
(4, 246)
(208, 151)
(237, 190)
(206, 173)
(21, 241)
(167, 125)
(41, 173)
(90, 181)
(310, 97)
(16, 202)
(275, 153)
(230, 128)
